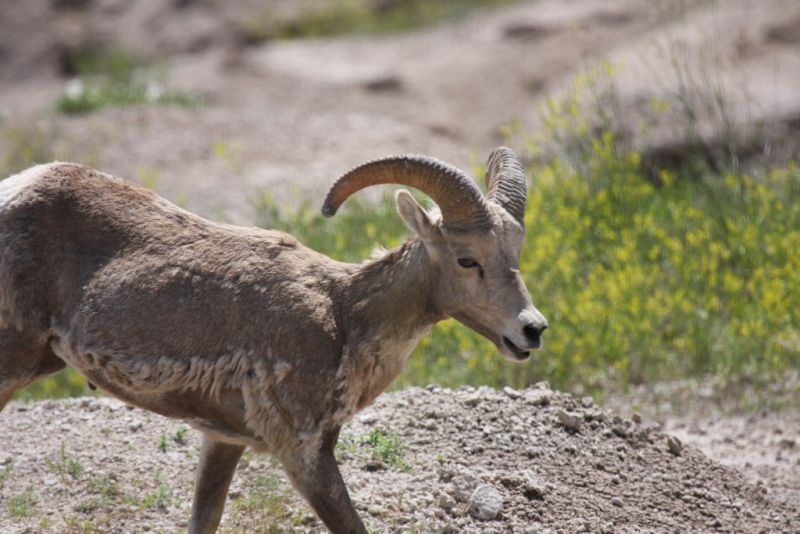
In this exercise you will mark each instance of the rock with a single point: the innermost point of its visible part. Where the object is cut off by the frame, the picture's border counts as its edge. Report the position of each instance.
(446, 502)
(538, 528)
(375, 465)
(386, 83)
(533, 487)
(570, 420)
(367, 418)
(533, 452)
(674, 445)
(620, 431)
(512, 393)
(445, 475)
(486, 503)
(474, 400)
(464, 485)
(538, 397)
(616, 501)
(637, 418)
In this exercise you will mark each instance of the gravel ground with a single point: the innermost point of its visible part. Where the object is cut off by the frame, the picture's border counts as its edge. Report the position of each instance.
(418, 460)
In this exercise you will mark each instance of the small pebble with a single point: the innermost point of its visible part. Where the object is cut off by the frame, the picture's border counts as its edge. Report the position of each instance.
(674, 445)
(570, 420)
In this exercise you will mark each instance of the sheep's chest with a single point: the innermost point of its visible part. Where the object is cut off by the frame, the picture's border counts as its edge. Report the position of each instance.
(369, 368)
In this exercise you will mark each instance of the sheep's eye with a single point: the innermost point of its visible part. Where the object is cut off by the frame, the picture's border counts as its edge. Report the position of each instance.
(467, 263)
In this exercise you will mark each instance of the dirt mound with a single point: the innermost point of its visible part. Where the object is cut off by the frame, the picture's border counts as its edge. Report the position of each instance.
(427, 460)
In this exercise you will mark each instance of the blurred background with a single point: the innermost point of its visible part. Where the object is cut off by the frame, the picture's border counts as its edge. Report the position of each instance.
(661, 138)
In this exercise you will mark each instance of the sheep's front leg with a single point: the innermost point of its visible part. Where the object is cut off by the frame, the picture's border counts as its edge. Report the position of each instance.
(214, 473)
(318, 479)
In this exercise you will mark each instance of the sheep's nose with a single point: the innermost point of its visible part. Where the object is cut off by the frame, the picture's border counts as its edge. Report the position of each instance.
(534, 332)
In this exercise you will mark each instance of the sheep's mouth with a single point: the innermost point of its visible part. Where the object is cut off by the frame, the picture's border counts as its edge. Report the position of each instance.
(518, 353)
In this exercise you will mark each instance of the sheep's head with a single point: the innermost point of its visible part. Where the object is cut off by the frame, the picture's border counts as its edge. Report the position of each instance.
(473, 242)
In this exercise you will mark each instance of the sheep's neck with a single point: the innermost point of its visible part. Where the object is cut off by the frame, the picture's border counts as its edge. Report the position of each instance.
(395, 291)
(391, 307)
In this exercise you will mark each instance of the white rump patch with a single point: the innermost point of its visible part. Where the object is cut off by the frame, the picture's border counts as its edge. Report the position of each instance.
(15, 184)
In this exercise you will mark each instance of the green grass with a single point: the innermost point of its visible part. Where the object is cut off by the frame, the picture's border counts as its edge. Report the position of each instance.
(387, 448)
(114, 78)
(67, 466)
(347, 17)
(264, 504)
(159, 498)
(5, 472)
(23, 504)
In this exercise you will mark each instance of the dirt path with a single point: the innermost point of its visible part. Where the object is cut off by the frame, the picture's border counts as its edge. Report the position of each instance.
(413, 462)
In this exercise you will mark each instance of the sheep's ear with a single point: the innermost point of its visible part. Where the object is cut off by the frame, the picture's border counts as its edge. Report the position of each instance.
(415, 216)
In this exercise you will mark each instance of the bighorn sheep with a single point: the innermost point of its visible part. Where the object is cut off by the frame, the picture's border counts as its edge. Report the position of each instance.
(252, 338)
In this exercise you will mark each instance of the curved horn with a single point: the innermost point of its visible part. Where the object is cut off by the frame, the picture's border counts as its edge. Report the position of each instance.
(457, 195)
(506, 183)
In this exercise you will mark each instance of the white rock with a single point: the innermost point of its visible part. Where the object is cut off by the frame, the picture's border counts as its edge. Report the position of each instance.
(486, 503)
(570, 420)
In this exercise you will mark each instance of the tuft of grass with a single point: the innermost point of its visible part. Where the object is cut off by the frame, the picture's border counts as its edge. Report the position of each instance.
(116, 79)
(5, 472)
(66, 465)
(163, 443)
(75, 525)
(347, 17)
(265, 503)
(179, 437)
(23, 504)
(386, 447)
(159, 498)
(106, 488)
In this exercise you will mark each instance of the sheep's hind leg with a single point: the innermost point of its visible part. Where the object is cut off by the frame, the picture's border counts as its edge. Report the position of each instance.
(24, 359)
(218, 462)
(318, 479)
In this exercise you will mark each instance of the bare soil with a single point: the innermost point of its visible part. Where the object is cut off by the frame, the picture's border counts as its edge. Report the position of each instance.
(558, 463)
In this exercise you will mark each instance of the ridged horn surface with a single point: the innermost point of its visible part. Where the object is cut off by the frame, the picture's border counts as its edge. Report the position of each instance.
(506, 183)
(457, 195)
